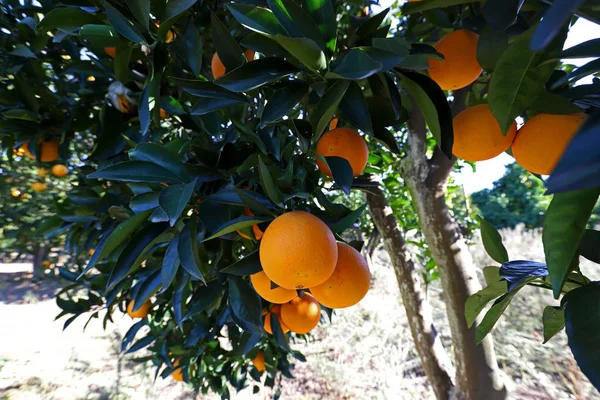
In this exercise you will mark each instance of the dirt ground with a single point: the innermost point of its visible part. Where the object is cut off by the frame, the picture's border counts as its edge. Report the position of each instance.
(366, 353)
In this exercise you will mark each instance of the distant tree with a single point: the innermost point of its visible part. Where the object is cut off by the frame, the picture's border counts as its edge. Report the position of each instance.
(517, 197)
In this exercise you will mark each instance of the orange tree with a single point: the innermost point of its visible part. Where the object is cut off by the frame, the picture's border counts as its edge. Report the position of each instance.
(187, 172)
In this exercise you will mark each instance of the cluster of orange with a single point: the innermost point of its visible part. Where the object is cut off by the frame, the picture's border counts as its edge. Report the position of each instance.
(48, 153)
(537, 146)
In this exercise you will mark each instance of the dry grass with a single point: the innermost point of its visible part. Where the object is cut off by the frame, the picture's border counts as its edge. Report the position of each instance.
(366, 353)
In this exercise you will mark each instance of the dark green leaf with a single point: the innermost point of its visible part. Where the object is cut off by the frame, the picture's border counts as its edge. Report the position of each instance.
(143, 202)
(248, 265)
(355, 108)
(356, 64)
(207, 105)
(173, 200)
(21, 50)
(176, 7)
(552, 22)
(554, 321)
(370, 26)
(191, 44)
(66, 17)
(582, 321)
(206, 89)
(170, 264)
(346, 222)
(161, 156)
(255, 74)
(229, 51)
(327, 106)
(590, 68)
(411, 8)
(122, 24)
(491, 45)
(141, 11)
(342, 172)
(493, 314)
(137, 171)
(298, 22)
(278, 332)
(267, 183)
(283, 101)
(492, 242)
(477, 302)
(136, 247)
(235, 225)
(551, 103)
(590, 245)
(130, 335)
(588, 49)
(323, 13)
(147, 289)
(387, 138)
(245, 305)
(188, 249)
(100, 35)
(396, 45)
(564, 227)
(255, 18)
(140, 344)
(285, 19)
(306, 50)
(501, 14)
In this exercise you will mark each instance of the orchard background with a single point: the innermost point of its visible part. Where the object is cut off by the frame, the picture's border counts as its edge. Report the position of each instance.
(221, 201)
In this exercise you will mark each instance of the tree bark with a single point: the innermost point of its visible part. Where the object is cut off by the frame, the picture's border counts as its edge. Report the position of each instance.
(477, 372)
(434, 358)
(39, 254)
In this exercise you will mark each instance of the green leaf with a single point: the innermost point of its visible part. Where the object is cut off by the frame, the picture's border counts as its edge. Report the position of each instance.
(255, 74)
(25, 115)
(477, 302)
(121, 66)
(137, 247)
(493, 314)
(144, 201)
(285, 19)
(342, 172)
(111, 241)
(590, 245)
(263, 44)
(207, 105)
(492, 242)
(323, 13)
(283, 101)
(278, 332)
(141, 11)
(501, 14)
(188, 251)
(491, 274)
(170, 264)
(161, 156)
(551, 103)
(564, 227)
(491, 45)
(588, 49)
(21, 50)
(305, 50)
(100, 35)
(590, 68)
(245, 305)
(130, 335)
(66, 17)
(189, 46)
(346, 222)
(397, 45)
(248, 265)
(370, 26)
(147, 289)
(517, 81)
(206, 89)
(411, 8)
(356, 64)
(267, 183)
(122, 24)
(385, 137)
(235, 225)
(296, 20)
(554, 321)
(553, 21)
(137, 171)
(176, 7)
(355, 108)
(229, 51)
(582, 321)
(255, 18)
(173, 200)
(327, 106)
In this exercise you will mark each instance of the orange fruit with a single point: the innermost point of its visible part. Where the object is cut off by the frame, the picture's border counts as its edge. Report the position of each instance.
(14, 192)
(262, 284)
(276, 309)
(349, 282)
(298, 251)
(541, 142)
(259, 361)
(344, 143)
(477, 134)
(42, 172)
(333, 123)
(302, 314)
(90, 252)
(142, 312)
(49, 150)
(178, 373)
(46, 263)
(460, 67)
(24, 196)
(163, 114)
(217, 67)
(38, 186)
(60, 170)
(111, 51)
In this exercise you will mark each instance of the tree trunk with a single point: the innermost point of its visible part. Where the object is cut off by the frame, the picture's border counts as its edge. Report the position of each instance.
(477, 372)
(434, 359)
(373, 242)
(39, 254)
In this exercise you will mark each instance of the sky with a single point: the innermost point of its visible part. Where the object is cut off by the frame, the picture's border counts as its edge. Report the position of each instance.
(491, 170)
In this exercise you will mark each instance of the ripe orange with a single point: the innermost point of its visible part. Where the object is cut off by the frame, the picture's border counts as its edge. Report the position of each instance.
(38, 186)
(298, 251)
(477, 134)
(259, 361)
(142, 312)
(49, 150)
(460, 67)
(163, 114)
(178, 373)
(14, 192)
(276, 309)
(344, 143)
(46, 263)
(217, 67)
(262, 284)
(60, 170)
(111, 51)
(302, 314)
(348, 284)
(541, 142)
(42, 172)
